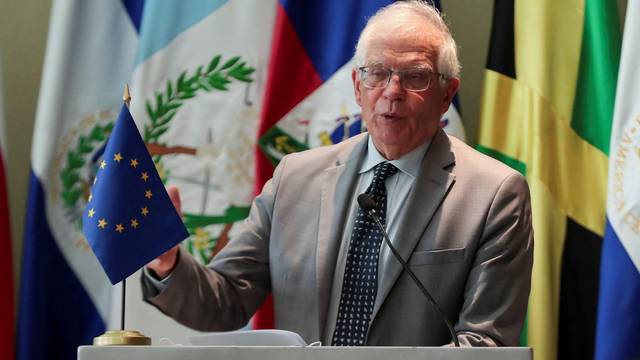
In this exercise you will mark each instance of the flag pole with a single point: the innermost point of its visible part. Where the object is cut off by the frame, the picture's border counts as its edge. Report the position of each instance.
(126, 97)
(124, 293)
(122, 336)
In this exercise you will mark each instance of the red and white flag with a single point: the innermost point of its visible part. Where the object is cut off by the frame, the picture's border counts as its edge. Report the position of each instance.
(6, 263)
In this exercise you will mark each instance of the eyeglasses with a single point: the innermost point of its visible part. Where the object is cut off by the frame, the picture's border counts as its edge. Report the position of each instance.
(412, 79)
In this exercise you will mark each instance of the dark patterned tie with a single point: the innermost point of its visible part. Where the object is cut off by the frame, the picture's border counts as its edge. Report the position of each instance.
(360, 281)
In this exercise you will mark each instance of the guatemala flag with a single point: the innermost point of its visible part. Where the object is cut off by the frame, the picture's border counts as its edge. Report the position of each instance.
(196, 90)
(618, 324)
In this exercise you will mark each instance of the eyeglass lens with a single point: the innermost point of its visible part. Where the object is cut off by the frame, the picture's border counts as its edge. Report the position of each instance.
(416, 79)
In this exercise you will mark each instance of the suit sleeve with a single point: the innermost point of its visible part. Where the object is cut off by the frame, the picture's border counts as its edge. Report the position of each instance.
(225, 294)
(498, 285)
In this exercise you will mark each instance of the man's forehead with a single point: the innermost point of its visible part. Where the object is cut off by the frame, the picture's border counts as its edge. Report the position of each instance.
(400, 53)
(416, 43)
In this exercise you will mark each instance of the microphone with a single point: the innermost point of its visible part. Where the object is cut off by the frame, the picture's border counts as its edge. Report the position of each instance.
(369, 205)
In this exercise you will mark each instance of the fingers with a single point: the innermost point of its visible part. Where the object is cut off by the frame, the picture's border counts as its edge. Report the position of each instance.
(163, 265)
(174, 195)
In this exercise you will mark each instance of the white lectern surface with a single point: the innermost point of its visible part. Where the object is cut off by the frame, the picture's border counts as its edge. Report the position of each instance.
(264, 337)
(303, 353)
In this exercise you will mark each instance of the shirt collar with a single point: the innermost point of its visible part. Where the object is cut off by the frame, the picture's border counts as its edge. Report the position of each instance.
(408, 163)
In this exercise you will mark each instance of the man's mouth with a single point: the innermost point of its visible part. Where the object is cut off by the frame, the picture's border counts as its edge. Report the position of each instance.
(391, 116)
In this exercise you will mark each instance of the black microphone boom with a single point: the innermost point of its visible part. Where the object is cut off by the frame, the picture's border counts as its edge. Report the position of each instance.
(367, 203)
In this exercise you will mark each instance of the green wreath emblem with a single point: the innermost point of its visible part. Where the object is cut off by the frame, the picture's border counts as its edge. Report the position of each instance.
(217, 76)
(168, 103)
(74, 187)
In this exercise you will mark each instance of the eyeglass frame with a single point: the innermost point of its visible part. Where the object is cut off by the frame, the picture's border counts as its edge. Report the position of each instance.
(401, 72)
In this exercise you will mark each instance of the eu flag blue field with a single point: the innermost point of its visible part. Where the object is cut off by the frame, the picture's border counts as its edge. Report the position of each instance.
(129, 219)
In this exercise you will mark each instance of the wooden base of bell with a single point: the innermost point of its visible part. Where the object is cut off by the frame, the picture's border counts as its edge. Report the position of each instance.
(121, 337)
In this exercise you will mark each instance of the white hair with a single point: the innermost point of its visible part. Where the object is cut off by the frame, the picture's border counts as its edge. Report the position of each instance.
(447, 62)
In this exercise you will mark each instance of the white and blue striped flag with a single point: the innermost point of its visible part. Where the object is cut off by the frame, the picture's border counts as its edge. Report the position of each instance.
(618, 323)
(64, 294)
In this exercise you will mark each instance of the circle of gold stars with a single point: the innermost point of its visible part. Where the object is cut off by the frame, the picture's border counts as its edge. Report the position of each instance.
(134, 223)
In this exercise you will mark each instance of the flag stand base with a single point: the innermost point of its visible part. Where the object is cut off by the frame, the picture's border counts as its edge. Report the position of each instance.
(121, 337)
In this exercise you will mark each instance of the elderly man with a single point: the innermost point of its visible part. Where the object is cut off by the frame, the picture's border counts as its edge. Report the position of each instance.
(461, 220)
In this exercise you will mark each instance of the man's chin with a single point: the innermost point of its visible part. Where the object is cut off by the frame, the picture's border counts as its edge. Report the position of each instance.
(393, 136)
(392, 148)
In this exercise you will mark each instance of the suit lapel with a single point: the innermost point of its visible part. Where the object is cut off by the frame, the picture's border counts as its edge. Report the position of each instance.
(430, 189)
(338, 186)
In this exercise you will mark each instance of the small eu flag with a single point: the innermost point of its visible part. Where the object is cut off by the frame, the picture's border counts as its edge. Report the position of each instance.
(129, 219)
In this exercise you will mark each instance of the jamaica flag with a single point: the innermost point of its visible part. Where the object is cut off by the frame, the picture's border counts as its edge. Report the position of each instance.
(547, 110)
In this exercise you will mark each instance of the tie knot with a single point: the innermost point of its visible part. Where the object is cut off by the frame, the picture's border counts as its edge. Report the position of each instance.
(383, 170)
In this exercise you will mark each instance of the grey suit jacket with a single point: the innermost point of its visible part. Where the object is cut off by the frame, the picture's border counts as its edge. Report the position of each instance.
(466, 233)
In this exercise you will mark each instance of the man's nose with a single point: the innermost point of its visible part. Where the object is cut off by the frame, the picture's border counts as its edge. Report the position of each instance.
(394, 89)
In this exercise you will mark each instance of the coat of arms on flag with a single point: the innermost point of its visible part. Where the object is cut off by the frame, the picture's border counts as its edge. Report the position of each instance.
(224, 163)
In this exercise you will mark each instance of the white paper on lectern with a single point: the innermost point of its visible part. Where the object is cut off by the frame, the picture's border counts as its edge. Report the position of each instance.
(249, 338)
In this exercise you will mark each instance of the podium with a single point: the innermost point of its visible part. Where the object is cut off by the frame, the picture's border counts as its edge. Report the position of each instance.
(302, 353)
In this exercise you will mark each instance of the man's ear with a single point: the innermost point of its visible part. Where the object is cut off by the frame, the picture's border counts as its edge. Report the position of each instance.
(356, 86)
(449, 92)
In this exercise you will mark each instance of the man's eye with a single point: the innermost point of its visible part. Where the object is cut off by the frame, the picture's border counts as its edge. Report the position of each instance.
(378, 73)
(416, 75)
